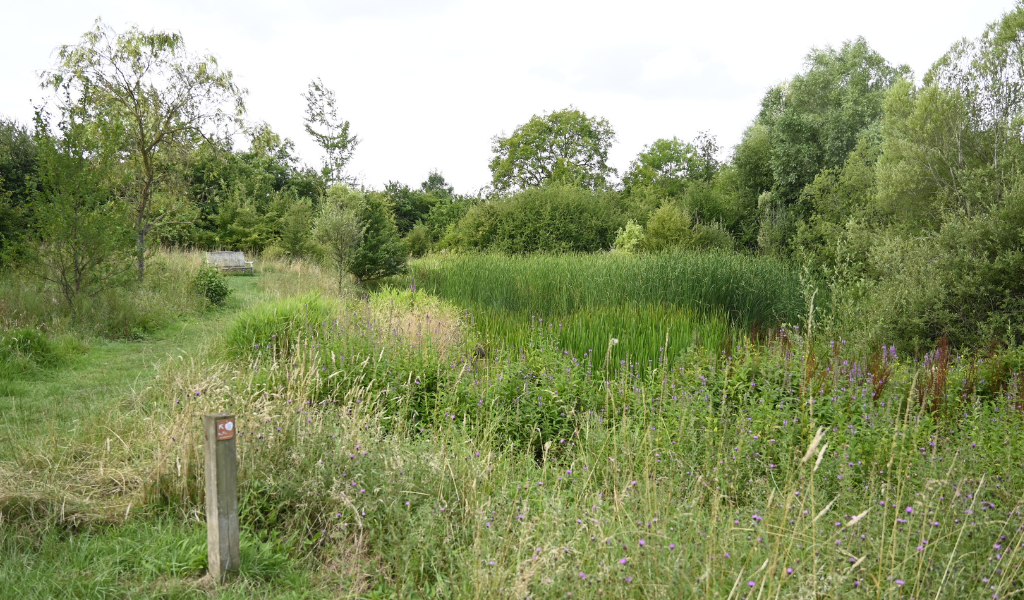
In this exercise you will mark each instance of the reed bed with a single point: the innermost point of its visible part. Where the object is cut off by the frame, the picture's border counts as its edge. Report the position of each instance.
(642, 301)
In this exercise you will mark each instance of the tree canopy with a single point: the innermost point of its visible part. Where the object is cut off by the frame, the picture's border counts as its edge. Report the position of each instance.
(147, 103)
(328, 130)
(565, 146)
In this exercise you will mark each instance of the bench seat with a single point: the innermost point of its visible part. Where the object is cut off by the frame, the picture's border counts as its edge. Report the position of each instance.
(229, 261)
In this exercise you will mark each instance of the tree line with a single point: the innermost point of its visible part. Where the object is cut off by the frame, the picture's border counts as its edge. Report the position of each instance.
(902, 200)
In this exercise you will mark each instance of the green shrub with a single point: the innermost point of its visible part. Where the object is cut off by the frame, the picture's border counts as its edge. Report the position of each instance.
(554, 218)
(667, 227)
(418, 240)
(380, 252)
(211, 284)
(711, 236)
(629, 238)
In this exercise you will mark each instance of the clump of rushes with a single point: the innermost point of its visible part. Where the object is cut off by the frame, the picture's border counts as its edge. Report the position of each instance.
(783, 469)
(703, 299)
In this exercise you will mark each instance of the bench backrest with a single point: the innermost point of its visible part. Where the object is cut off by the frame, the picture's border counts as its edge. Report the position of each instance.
(226, 259)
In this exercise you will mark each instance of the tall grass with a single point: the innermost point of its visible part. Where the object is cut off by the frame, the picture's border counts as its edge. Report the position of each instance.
(780, 470)
(130, 312)
(389, 466)
(682, 298)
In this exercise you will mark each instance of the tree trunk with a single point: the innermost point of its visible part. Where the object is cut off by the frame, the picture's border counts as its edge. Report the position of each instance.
(141, 250)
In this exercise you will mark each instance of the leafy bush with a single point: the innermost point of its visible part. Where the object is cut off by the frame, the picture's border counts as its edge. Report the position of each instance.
(667, 227)
(211, 284)
(711, 236)
(628, 239)
(554, 218)
(418, 240)
(965, 283)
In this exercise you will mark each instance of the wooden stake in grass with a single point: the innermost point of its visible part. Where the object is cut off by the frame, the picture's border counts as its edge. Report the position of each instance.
(223, 555)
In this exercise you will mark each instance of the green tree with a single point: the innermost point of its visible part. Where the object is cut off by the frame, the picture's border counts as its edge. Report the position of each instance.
(147, 102)
(565, 146)
(928, 151)
(18, 157)
(418, 240)
(337, 227)
(409, 206)
(329, 131)
(267, 177)
(295, 229)
(988, 73)
(435, 184)
(553, 218)
(380, 252)
(672, 164)
(809, 124)
(83, 242)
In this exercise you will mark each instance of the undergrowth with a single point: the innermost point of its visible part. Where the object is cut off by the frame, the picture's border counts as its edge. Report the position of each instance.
(788, 469)
(384, 452)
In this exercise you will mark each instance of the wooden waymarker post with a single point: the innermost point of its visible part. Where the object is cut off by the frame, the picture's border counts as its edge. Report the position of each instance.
(223, 556)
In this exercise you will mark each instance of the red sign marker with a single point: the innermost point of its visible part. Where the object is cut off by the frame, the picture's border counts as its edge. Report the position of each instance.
(225, 429)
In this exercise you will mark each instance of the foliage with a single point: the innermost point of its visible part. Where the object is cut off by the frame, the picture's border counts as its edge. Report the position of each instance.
(672, 164)
(566, 147)
(553, 218)
(380, 252)
(409, 206)
(418, 240)
(329, 131)
(83, 241)
(436, 184)
(211, 284)
(667, 227)
(337, 227)
(266, 180)
(963, 284)
(18, 158)
(445, 215)
(629, 238)
(147, 102)
(809, 124)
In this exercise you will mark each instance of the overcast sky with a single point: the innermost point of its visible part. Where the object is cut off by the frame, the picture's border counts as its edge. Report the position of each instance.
(427, 84)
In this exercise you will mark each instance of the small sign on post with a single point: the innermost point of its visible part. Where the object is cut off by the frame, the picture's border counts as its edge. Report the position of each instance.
(223, 556)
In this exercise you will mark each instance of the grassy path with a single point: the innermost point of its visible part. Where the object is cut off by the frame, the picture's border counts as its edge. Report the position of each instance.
(54, 423)
(56, 404)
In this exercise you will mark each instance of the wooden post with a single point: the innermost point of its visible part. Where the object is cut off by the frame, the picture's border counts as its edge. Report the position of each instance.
(223, 555)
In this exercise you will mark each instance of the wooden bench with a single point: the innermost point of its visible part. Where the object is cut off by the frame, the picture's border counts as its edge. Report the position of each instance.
(230, 261)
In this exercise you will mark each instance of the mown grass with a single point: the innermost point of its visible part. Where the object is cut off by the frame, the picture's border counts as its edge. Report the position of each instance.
(704, 299)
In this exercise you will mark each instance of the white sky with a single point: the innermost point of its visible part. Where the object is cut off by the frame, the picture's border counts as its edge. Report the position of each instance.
(426, 84)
